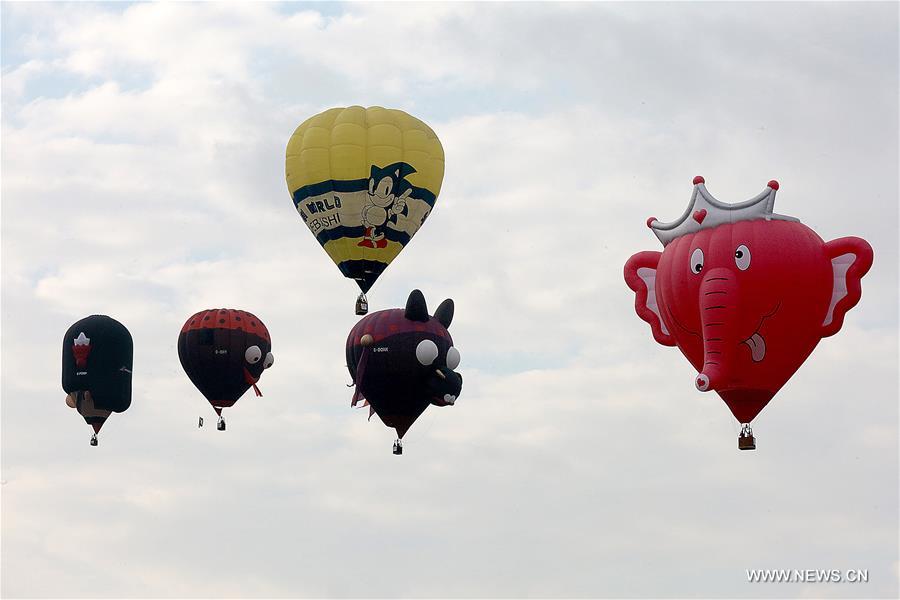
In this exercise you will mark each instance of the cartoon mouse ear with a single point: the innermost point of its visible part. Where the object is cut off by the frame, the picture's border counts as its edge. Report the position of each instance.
(444, 312)
(416, 309)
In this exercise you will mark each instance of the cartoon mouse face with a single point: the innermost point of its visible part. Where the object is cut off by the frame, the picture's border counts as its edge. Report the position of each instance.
(402, 360)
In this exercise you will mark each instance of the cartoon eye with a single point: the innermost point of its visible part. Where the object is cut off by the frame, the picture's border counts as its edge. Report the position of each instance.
(384, 187)
(742, 257)
(697, 260)
(426, 352)
(270, 360)
(253, 354)
(452, 358)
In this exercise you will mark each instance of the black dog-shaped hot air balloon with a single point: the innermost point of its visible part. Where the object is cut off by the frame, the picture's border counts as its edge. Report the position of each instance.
(224, 352)
(402, 360)
(97, 359)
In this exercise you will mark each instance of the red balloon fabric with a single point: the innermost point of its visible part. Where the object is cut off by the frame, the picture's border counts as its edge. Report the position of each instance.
(745, 294)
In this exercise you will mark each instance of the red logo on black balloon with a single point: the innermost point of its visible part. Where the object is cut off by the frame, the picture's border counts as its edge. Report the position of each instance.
(81, 349)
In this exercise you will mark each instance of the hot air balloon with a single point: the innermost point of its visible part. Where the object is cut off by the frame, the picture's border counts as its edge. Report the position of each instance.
(364, 180)
(402, 360)
(97, 358)
(745, 294)
(224, 352)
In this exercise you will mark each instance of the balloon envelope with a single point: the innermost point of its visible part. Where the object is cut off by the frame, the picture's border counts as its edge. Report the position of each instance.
(402, 360)
(224, 352)
(746, 294)
(364, 180)
(97, 358)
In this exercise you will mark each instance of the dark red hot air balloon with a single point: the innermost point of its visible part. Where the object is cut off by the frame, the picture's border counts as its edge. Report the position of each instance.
(224, 352)
(402, 360)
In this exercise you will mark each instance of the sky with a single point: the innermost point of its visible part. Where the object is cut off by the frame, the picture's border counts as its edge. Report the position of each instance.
(143, 178)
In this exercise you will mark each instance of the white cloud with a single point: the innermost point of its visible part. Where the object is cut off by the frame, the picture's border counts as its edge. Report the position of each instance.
(143, 178)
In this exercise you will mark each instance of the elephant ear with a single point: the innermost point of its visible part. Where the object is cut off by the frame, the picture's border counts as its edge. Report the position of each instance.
(640, 275)
(851, 258)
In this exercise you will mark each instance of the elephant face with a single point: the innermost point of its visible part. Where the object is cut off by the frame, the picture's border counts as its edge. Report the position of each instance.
(747, 302)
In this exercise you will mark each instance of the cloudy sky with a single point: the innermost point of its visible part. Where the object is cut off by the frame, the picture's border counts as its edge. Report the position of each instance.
(143, 178)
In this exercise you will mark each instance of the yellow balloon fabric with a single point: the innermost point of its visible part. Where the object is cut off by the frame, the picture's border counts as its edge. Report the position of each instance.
(364, 180)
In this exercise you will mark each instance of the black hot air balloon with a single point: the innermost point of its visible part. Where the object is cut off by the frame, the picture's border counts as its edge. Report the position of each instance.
(97, 359)
(402, 360)
(224, 352)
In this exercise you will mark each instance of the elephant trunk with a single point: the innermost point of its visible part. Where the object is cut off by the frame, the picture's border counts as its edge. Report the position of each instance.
(717, 307)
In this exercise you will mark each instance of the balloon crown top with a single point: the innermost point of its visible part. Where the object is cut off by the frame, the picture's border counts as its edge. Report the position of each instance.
(705, 212)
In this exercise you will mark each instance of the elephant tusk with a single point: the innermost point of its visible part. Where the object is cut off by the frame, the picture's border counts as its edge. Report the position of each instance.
(439, 374)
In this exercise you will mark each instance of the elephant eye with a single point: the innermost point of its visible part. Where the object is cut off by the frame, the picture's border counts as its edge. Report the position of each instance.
(697, 260)
(426, 352)
(742, 257)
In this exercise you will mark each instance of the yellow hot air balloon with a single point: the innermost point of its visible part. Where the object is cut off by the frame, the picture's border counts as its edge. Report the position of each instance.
(364, 180)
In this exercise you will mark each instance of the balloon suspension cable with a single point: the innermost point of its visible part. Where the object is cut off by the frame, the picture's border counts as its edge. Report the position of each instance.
(256, 389)
(362, 304)
(94, 441)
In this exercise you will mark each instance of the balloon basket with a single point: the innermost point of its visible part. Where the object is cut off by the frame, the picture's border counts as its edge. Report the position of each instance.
(94, 441)
(398, 447)
(200, 423)
(221, 424)
(746, 441)
(362, 305)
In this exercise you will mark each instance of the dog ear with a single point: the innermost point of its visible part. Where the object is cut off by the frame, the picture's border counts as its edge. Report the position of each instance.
(416, 309)
(444, 312)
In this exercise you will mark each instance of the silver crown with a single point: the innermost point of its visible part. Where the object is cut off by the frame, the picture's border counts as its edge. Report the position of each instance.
(82, 340)
(705, 212)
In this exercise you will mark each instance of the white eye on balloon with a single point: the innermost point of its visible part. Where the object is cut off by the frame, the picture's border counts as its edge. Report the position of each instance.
(452, 358)
(270, 360)
(426, 352)
(253, 354)
(696, 261)
(742, 257)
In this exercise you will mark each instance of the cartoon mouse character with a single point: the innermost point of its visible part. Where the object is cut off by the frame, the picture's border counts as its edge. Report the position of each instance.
(402, 360)
(388, 193)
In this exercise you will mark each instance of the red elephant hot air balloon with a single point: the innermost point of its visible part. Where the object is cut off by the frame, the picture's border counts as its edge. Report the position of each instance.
(745, 294)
